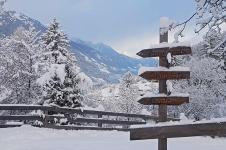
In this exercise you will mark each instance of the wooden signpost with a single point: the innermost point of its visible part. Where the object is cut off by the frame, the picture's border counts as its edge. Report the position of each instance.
(164, 98)
(163, 73)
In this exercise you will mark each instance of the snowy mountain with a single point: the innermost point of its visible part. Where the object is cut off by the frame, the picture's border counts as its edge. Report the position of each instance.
(10, 20)
(99, 61)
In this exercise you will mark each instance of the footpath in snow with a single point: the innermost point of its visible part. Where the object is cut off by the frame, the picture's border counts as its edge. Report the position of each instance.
(31, 138)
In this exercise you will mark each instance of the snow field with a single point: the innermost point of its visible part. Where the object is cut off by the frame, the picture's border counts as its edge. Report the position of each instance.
(31, 138)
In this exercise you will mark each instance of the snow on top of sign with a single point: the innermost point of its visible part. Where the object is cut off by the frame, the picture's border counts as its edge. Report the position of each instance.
(169, 86)
(165, 22)
(177, 68)
(170, 45)
(182, 122)
(164, 95)
(169, 58)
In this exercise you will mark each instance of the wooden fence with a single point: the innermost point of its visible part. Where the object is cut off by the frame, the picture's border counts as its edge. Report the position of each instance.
(76, 119)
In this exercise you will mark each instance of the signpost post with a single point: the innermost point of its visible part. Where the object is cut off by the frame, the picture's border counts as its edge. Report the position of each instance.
(162, 142)
(163, 73)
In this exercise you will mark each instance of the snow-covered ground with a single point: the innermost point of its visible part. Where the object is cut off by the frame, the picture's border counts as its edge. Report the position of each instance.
(30, 138)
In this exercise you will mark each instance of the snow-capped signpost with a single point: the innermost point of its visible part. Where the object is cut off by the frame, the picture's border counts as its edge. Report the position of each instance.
(164, 73)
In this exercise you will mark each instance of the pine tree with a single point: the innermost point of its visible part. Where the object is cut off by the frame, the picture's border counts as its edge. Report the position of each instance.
(128, 92)
(61, 81)
(18, 63)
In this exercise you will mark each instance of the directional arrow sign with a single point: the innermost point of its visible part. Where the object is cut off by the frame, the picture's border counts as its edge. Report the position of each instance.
(160, 52)
(165, 75)
(164, 100)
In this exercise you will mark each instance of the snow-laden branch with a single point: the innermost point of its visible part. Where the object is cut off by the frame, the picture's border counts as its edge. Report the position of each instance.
(209, 14)
(218, 46)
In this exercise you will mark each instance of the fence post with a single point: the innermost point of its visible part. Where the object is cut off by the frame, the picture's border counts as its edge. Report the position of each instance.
(100, 124)
(45, 120)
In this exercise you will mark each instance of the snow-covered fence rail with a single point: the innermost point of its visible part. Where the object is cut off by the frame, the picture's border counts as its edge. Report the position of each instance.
(21, 117)
(74, 116)
(202, 128)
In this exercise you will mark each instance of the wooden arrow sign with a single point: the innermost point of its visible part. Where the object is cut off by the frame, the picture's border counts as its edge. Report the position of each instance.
(160, 52)
(184, 130)
(164, 100)
(165, 75)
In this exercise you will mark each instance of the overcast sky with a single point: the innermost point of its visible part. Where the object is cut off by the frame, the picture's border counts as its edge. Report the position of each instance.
(126, 25)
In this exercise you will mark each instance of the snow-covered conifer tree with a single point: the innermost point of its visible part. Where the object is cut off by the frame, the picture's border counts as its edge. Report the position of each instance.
(128, 92)
(18, 57)
(60, 74)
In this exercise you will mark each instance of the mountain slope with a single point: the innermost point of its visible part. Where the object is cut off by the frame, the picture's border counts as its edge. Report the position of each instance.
(101, 61)
(98, 61)
(10, 20)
